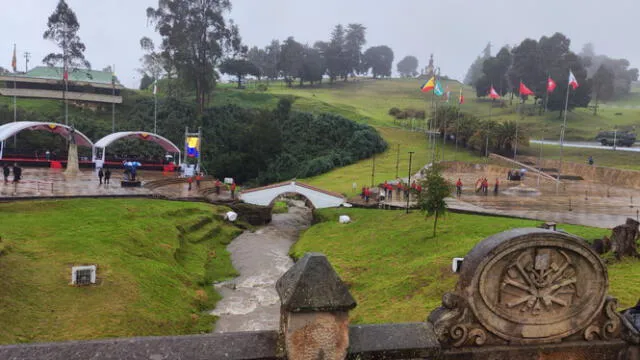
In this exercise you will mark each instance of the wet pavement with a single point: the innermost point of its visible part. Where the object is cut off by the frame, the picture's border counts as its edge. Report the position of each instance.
(250, 302)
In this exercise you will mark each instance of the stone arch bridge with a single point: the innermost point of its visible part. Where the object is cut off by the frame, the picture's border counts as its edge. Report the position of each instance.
(267, 194)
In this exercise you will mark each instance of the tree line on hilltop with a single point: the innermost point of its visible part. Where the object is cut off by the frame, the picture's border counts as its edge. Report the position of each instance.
(532, 62)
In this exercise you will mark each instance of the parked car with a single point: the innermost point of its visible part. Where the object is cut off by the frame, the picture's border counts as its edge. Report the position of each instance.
(621, 138)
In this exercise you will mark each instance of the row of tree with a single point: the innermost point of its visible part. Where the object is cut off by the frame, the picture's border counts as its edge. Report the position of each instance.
(477, 133)
(534, 61)
(340, 57)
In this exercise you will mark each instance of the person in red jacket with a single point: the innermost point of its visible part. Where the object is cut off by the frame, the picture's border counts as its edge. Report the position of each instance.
(190, 181)
(233, 190)
(217, 185)
(458, 187)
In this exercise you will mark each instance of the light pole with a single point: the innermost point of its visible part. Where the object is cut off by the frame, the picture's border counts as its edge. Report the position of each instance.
(409, 178)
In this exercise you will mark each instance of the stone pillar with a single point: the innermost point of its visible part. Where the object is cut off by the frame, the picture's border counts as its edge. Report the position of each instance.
(72, 160)
(314, 315)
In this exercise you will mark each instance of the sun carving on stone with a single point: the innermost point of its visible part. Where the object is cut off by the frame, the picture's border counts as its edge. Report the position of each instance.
(543, 280)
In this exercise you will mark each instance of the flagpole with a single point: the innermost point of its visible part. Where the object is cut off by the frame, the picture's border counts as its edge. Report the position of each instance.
(155, 109)
(520, 103)
(546, 97)
(562, 132)
(113, 104)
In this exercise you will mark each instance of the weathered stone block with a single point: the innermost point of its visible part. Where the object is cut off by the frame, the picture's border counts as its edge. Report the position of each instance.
(317, 335)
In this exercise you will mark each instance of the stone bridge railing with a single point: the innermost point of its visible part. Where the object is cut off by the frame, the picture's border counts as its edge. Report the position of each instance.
(522, 294)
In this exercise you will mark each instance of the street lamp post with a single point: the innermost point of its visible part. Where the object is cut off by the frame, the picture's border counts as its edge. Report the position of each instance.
(409, 179)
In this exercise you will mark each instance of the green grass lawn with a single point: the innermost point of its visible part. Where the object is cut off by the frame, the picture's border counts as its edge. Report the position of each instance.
(156, 262)
(398, 273)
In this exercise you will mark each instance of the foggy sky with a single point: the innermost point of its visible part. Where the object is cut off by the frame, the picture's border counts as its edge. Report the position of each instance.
(455, 31)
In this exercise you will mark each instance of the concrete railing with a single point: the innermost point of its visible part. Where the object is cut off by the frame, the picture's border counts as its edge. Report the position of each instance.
(521, 294)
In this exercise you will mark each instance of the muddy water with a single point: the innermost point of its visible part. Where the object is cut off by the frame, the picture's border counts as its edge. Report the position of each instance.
(250, 301)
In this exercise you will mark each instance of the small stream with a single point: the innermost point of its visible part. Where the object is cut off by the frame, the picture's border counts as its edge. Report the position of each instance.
(250, 301)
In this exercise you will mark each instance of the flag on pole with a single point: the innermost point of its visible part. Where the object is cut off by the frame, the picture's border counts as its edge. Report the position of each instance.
(572, 81)
(493, 94)
(524, 90)
(155, 86)
(65, 74)
(551, 85)
(438, 89)
(429, 85)
(461, 98)
(14, 60)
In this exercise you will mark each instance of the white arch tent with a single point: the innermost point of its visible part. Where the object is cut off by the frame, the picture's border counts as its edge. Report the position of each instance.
(10, 129)
(102, 144)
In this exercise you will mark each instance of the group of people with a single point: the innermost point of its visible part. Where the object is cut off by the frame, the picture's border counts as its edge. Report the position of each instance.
(106, 174)
(482, 186)
(17, 172)
(217, 184)
(386, 190)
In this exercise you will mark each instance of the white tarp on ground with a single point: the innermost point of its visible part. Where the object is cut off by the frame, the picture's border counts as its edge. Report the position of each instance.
(344, 219)
(231, 216)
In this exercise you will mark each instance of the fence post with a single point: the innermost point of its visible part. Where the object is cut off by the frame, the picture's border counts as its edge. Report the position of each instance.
(314, 313)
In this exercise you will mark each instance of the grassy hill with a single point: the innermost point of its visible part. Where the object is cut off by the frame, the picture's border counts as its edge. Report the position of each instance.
(398, 273)
(156, 262)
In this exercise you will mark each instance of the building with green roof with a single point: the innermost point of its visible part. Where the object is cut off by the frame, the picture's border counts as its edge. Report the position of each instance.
(47, 82)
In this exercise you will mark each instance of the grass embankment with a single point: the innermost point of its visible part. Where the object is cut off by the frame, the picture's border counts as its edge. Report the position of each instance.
(398, 273)
(156, 262)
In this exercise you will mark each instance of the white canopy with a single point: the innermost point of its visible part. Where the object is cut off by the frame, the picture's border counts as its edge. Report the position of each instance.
(10, 129)
(164, 142)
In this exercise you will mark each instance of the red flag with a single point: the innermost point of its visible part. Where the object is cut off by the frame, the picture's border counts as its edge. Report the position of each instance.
(524, 90)
(65, 75)
(572, 80)
(493, 94)
(551, 85)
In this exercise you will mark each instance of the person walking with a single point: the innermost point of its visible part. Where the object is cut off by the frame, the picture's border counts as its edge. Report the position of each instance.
(217, 185)
(590, 161)
(190, 181)
(107, 176)
(17, 173)
(198, 179)
(496, 186)
(6, 171)
(485, 186)
(459, 187)
(233, 190)
(100, 175)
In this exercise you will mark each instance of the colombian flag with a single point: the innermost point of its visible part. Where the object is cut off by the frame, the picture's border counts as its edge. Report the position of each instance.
(429, 85)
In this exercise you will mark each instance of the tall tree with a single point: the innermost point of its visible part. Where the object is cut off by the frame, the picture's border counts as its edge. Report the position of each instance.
(291, 62)
(239, 68)
(258, 57)
(408, 67)
(335, 53)
(495, 72)
(271, 70)
(380, 60)
(313, 66)
(355, 39)
(528, 65)
(432, 198)
(196, 36)
(62, 29)
(475, 70)
(603, 86)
